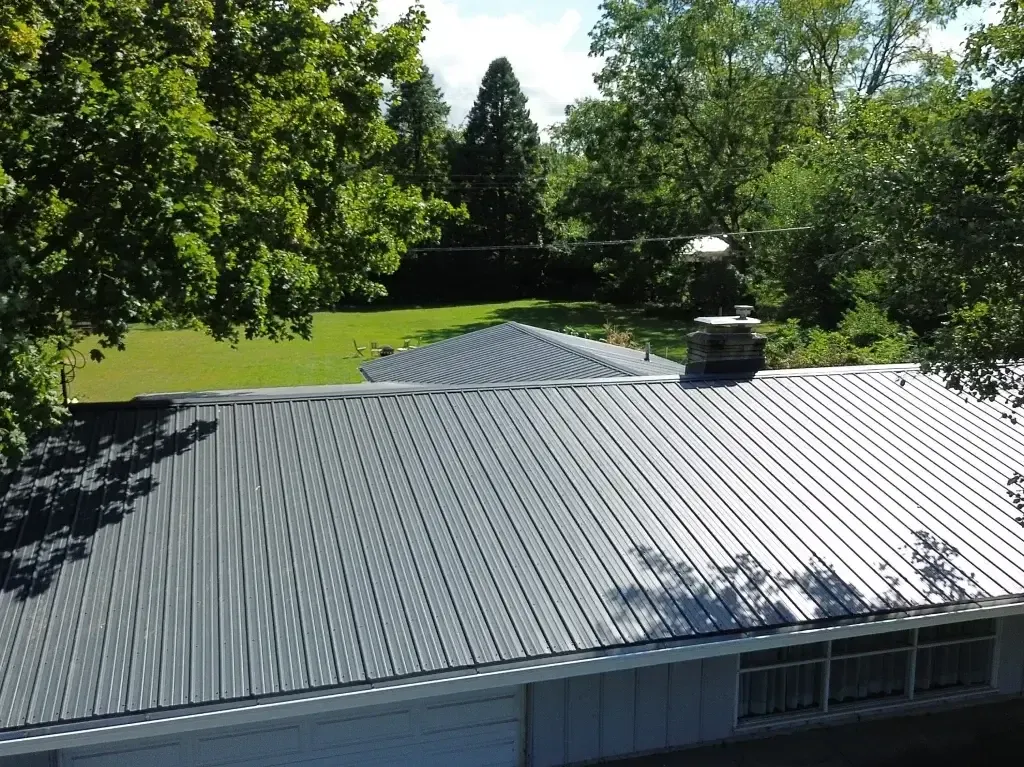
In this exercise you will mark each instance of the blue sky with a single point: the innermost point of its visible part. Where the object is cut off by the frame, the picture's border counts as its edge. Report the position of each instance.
(547, 43)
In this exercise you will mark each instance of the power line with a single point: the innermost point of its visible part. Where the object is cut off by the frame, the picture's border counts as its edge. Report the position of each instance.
(601, 243)
(508, 180)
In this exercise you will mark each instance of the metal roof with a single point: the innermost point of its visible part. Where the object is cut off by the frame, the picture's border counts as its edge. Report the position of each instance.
(164, 557)
(270, 392)
(513, 352)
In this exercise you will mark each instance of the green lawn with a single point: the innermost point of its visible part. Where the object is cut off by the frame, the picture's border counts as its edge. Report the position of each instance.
(179, 360)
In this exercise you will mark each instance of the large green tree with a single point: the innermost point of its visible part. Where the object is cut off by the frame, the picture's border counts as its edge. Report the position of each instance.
(700, 101)
(498, 175)
(418, 115)
(948, 220)
(214, 163)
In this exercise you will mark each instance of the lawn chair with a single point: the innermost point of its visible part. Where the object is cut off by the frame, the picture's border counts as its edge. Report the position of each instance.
(359, 349)
(405, 347)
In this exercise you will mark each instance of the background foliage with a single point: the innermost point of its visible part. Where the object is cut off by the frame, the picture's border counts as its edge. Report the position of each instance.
(227, 165)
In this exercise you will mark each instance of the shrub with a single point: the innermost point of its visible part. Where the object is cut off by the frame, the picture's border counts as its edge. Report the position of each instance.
(867, 323)
(865, 336)
(617, 337)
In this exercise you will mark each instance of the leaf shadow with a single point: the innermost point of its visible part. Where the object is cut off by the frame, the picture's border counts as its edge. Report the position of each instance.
(78, 479)
(744, 595)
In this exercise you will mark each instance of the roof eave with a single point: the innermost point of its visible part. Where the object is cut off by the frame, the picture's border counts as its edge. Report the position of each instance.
(96, 732)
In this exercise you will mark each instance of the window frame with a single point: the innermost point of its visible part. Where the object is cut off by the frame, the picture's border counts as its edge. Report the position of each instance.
(908, 698)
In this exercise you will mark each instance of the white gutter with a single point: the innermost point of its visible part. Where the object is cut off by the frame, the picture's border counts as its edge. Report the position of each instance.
(252, 712)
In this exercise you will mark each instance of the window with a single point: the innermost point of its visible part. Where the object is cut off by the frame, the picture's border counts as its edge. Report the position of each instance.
(869, 668)
(783, 680)
(954, 656)
(876, 669)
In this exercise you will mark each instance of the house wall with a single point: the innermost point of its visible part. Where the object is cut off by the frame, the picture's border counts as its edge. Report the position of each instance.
(1010, 673)
(572, 720)
(603, 716)
(44, 759)
(477, 730)
(625, 712)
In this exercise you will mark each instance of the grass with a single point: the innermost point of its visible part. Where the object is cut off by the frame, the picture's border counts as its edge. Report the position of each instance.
(182, 360)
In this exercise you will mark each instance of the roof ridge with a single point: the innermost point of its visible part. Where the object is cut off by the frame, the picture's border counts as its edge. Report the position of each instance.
(414, 351)
(531, 330)
(199, 398)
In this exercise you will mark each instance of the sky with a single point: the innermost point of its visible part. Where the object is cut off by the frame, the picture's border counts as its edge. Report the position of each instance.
(547, 43)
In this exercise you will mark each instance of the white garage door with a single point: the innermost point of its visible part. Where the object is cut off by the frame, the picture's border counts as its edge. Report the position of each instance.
(466, 731)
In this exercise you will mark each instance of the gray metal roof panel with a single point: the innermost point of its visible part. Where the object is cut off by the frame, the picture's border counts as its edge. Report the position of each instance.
(625, 359)
(512, 352)
(159, 556)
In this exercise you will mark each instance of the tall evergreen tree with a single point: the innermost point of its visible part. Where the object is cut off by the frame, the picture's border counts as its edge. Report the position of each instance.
(418, 114)
(498, 175)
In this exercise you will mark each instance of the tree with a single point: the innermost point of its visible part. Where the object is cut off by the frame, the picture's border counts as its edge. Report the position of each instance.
(498, 175)
(698, 101)
(857, 48)
(947, 222)
(213, 164)
(418, 115)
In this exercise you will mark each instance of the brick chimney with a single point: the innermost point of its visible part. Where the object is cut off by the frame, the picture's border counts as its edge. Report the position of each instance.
(726, 345)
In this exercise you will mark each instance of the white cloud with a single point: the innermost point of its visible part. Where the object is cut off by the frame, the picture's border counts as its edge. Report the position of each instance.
(458, 48)
(553, 72)
(955, 34)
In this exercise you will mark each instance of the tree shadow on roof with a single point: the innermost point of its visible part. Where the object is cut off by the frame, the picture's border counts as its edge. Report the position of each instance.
(677, 600)
(940, 570)
(78, 479)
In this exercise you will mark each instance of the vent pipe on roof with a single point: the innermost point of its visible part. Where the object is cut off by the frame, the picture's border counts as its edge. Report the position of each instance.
(726, 344)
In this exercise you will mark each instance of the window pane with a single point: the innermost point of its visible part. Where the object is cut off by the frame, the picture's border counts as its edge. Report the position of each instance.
(781, 690)
(872, 643)
(950, 632)
(792, 654)
(870, 677)
(944, 667)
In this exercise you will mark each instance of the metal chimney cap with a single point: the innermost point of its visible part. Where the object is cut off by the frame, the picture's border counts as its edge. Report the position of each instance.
(725, 323)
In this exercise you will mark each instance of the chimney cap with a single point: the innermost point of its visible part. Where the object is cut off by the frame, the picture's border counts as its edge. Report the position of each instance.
(729, 322)
(741, 319)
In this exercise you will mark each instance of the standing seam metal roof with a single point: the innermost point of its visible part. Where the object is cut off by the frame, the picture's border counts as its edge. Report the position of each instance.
(512, 352)
(165, 556)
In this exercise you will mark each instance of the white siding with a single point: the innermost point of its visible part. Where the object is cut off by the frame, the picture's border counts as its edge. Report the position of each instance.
(718, 697)
(29, 760)
(483, 730)
(1010, 675)
(664, 707)
(628, 712)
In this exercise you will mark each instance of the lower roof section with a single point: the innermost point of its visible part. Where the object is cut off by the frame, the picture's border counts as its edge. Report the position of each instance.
(116, 729)
(515, 352)
(166, 556)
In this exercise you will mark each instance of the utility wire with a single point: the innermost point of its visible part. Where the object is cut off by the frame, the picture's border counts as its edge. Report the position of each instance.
(600, 243)
(503, 181)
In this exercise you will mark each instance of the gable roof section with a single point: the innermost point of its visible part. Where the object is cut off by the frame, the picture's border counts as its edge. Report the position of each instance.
(629, 361)
(513, 352)
(218, 551)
